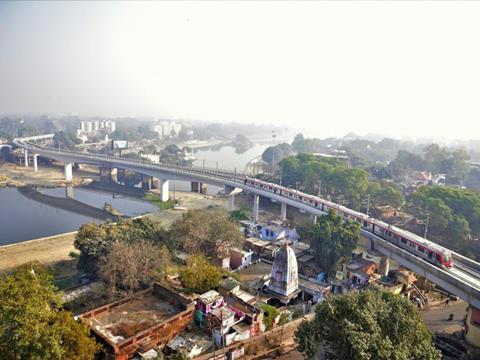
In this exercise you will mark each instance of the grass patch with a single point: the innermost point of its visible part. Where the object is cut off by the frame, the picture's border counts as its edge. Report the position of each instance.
(155, 199)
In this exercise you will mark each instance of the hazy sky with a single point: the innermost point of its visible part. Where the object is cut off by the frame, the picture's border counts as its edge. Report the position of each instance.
(405, 68)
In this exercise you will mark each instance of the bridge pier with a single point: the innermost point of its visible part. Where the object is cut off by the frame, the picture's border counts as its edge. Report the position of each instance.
(283, 212)
(155, 183)
(26, 157)
(163, 190)
(69, 192)
(384, 267)
(146, 183)
(256, 207)
(314, 219)
(105, 175)
(68, 171)
(35, 162)
(198, 187)
(231, 202)
(121, 174)
(371, 246)
(194, 186)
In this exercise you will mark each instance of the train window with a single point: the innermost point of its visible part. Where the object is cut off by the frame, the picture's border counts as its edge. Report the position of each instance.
(430, 255)
(420, 249)
(404, 241)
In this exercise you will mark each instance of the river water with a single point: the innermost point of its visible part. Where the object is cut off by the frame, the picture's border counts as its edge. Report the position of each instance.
(22, 218)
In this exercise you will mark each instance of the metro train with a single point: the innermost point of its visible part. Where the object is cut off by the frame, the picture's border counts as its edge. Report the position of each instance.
(406, 240)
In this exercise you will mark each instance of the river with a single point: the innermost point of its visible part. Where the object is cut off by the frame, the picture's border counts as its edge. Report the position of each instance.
(22, 218)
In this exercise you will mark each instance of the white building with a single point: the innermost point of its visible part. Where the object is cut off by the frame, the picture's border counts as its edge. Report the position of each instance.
(167, 129)
(90, 127)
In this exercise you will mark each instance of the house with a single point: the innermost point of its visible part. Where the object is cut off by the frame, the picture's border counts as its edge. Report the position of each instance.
(300, 248)
(387, 212)
(307, 265)
(254, 244)
(228, 285)
(272, 233)
(240, 258)
(359, 269)
(223, 262)
(206, 303)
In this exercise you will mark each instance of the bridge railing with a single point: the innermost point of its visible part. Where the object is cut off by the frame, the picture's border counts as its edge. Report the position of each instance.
(220, 173)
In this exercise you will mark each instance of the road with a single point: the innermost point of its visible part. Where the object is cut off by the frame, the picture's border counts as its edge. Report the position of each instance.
(436, 317)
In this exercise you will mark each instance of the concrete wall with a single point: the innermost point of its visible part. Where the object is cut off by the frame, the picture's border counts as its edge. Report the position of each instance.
(172, 297)
(261, 345)
(149, 338)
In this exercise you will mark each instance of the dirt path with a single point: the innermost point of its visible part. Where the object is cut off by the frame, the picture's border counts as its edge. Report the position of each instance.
(56, 248)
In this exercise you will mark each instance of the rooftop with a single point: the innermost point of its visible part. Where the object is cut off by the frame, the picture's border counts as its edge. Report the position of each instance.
(132, 317)
(210, 296)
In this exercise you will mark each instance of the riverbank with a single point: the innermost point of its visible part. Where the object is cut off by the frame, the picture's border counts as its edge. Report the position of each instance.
(57, 248)
(14, 175)
(44, 250)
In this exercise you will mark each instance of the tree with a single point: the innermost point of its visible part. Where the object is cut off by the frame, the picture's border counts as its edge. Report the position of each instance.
(208, 232)
(95, 241)
(199, 275)
(90, 240)
(130, 267)
(385, 193)
(366, 325)
(331, 239)
(65, 140)
(473, 179)
(270, 314)
(238, 215)
(31, 324)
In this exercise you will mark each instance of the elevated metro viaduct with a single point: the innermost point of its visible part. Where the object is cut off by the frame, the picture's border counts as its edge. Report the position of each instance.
(462, 280)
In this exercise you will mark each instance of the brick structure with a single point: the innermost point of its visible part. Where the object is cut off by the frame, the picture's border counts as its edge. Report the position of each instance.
(141, 322)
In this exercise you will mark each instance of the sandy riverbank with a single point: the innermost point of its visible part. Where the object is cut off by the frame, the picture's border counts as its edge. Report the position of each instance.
(46, 176)
(56, 248)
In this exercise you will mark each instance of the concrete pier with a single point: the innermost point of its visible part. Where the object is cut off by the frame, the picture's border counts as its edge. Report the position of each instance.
(69, 192)
(195, 186)
(231, 202)
(105, 175)
(35, 162)
(146, 183)
(26, 157)
(283, 212)
(256, 207)
(155, 183)
(68, 171)
(164, 190)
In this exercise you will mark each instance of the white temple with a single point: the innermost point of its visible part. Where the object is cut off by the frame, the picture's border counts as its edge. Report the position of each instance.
(284, 277)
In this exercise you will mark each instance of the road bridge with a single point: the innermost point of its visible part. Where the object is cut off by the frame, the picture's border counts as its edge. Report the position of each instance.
(462, 280)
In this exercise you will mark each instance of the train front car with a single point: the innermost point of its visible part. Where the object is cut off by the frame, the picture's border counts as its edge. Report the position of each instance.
(446, 259)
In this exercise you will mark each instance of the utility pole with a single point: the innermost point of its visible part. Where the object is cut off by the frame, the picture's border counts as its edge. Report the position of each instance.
(426, 225)
(273, 152)
(320, 188)
(368, 203)
(174, 189)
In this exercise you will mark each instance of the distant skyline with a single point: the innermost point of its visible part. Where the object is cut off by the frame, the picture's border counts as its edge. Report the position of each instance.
(325, 68)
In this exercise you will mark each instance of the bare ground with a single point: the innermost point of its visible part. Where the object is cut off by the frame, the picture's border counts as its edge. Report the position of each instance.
(45, 176)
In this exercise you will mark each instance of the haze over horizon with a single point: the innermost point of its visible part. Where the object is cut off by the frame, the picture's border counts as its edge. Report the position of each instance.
(407, 68)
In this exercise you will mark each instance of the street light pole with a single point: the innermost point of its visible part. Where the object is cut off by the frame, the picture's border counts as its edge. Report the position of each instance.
(426, 225)
(368, 203)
